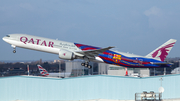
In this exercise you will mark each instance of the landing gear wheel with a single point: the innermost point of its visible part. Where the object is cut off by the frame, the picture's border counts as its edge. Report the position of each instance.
(82, 64)
(86, 65)
(14, 51)
(89, 66)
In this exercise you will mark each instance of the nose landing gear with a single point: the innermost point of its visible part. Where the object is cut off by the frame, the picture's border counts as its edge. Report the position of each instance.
(14, 51)
(14, 47)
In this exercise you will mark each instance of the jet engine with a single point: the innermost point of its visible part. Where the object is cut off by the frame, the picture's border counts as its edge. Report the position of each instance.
(67, 55)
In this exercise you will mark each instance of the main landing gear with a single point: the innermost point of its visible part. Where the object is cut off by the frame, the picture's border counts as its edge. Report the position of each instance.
(86, 64)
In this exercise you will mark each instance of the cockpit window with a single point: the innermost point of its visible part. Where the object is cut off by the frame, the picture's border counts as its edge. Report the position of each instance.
(7, 36)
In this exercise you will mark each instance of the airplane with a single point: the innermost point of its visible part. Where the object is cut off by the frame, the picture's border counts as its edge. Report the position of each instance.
(71, 51)
(176, 71)
(45, 73)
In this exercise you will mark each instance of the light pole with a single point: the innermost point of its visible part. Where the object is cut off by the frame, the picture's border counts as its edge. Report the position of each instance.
(164, 70)
(161, 79)
(161, 89)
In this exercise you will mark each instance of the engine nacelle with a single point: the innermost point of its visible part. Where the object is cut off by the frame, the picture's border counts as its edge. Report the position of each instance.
(64, 54)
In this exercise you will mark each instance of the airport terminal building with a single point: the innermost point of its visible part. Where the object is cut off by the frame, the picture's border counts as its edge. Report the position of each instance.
(92, 87)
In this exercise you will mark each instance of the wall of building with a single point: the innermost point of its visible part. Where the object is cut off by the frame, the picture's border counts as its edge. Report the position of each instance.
(103, 68)
(84, 88)
(120, 72)
(144, 72)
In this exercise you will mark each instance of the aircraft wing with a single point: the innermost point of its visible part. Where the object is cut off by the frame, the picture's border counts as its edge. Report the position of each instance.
(92, 53)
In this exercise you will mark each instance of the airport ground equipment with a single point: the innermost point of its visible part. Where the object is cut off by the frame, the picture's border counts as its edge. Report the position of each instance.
(148, 96)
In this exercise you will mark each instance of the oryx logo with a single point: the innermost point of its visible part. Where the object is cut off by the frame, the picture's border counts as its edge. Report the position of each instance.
(116, 58)
(163, 51)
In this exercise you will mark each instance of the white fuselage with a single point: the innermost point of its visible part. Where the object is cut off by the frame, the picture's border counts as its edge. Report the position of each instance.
(70, 51)
(48, 45)
(40, 43)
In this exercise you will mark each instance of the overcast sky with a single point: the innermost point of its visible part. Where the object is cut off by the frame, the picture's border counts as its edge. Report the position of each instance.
(135, 26)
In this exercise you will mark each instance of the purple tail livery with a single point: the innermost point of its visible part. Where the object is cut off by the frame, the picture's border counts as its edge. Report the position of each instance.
(161, 52)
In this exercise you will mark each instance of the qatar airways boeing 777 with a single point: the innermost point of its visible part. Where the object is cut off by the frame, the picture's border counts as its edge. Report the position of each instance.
(70, 51)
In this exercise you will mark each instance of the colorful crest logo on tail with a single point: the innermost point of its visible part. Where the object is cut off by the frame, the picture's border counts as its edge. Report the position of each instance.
(42, 70)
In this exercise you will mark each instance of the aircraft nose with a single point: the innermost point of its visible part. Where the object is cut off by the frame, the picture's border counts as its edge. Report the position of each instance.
(4, 38)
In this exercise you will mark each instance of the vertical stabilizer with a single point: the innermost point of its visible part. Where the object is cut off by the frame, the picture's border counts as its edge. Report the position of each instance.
(161, 52)
(42, 71)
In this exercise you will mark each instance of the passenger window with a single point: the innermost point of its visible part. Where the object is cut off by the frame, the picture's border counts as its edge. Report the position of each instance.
(7, 36)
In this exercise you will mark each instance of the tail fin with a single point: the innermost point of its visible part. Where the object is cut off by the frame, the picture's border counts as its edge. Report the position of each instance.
(161, 52)
(42, 70)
